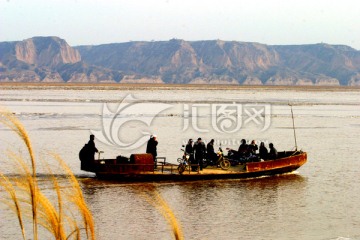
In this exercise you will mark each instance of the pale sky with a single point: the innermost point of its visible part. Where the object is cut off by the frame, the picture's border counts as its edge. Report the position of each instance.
(93, 22)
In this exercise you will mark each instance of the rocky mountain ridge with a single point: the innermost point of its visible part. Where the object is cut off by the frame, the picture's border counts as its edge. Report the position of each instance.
(48, 59)
(51, 59)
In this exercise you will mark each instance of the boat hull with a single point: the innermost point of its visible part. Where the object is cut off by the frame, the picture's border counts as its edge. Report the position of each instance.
(252, 170)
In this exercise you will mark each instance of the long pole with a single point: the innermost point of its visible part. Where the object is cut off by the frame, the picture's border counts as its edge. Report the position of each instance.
(292, 115)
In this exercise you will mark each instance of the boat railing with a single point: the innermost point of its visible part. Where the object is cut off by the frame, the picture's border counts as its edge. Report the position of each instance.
(163, 162)
(171, 167)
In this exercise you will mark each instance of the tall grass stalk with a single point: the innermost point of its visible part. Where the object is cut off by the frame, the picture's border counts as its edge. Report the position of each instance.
(155, 199)
(25, 194)
(78, 199)
(14, 124)
(12, 192)
(43, 211)
(60, 230)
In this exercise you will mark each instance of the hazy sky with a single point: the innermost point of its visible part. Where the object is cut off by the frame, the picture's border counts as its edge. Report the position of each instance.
(82, 22)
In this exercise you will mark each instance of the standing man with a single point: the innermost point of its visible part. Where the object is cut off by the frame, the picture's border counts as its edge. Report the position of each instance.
(211, 155)
(189, 149)
(200, 150)
(152, 148)
(91, 148)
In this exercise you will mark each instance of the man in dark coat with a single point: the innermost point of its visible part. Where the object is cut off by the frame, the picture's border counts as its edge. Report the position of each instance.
(189, 149)
(152, 148)
(87, 154)
(243, 149)
(211, 155)
(263, 152)
(200, 150)
(253, 147)
(273, 152)
(91, 148)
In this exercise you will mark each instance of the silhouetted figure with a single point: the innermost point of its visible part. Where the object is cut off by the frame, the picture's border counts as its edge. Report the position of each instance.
(200, 150)
(243, 149)
(189, 147)
(273, 152)
(87, 154)
(91, 148)
(263, 152)
(211, 155)
(152, 148)
(253, 147)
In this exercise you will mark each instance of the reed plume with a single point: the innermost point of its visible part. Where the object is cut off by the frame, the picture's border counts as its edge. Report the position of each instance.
(77, 198)
(6, 184)
(14, 124)
(59, 233)
(25, 194)
(155, 199)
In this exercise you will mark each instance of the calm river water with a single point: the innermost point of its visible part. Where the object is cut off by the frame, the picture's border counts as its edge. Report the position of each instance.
(318, 201)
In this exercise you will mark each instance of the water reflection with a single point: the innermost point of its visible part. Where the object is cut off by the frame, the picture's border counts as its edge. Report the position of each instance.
(204, 209)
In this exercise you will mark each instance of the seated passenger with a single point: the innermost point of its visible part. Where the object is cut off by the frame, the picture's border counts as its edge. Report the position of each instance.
(253, 147)
(243, 149)
(273, 152)
(263, 152)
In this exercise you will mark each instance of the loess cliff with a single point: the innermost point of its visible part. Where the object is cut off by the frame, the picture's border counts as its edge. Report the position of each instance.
(51, 59)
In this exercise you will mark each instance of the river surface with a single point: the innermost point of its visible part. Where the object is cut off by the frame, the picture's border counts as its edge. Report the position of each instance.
(318, 201)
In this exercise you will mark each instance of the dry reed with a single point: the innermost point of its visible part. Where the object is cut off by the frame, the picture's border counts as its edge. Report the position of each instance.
(77, 198)
(15, 125)
(25, 194)
(43, 212)
(155, 199)
(12, 192)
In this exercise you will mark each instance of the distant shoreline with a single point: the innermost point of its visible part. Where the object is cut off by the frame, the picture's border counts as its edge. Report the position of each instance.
(141, 86)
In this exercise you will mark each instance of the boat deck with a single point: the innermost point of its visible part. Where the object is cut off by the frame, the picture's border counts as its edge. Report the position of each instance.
(172, 169)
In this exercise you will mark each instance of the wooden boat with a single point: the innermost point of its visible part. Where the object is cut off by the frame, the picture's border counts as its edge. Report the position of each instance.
(141, 167)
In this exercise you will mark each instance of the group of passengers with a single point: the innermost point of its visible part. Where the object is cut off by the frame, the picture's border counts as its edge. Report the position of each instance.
(198, 151)
(250, 150)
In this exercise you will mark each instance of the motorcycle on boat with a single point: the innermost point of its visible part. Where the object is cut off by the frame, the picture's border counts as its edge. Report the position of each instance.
(220, 161)
(184, 161)
(236, 158)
